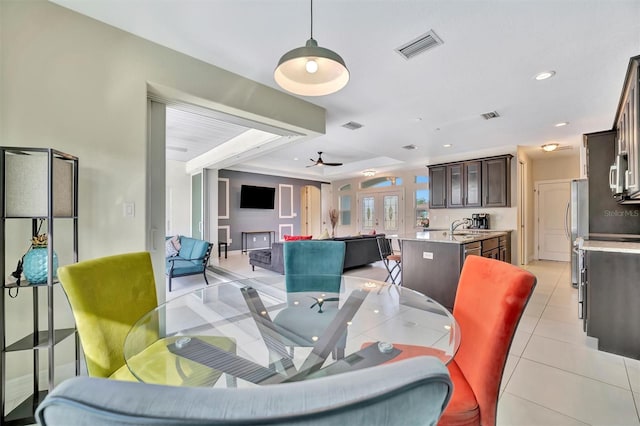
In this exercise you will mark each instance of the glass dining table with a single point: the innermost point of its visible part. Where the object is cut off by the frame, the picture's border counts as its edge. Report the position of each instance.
(255, 332)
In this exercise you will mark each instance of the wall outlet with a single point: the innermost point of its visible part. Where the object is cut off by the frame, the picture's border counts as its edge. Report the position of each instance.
(254, 239)
(128, 209)
(229, 241)
(264, 238)
(427, 255)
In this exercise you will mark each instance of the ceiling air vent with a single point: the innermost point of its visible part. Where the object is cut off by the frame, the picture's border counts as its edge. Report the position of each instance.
(490, 115)
(419, 45)
(352, 125)
(410, 147)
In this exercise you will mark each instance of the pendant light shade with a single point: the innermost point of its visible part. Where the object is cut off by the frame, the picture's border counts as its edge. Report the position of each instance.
(311, 70)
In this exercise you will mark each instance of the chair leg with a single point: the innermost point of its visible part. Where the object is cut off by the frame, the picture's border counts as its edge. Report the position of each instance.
(232, 382)
(205, 276)
(169, 283)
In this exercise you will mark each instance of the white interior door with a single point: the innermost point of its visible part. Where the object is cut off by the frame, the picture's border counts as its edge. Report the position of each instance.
(310, 211)
(382, 211)
(554, 242)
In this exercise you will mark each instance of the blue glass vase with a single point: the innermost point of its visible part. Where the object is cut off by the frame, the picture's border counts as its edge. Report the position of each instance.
(34, 265)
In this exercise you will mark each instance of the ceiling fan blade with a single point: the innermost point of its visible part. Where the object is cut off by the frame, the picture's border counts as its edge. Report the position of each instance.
(312, 165)
(332, 164)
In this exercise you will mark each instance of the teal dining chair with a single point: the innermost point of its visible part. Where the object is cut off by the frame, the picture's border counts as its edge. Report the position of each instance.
(313, 274)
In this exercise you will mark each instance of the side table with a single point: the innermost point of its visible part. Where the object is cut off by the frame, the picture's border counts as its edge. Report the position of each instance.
(222, 244)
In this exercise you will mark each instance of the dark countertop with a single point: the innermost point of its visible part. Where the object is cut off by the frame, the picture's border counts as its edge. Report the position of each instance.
(462, 236)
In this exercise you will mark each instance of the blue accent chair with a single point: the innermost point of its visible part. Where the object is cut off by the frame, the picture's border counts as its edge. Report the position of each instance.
(414, 391)
(192, 259)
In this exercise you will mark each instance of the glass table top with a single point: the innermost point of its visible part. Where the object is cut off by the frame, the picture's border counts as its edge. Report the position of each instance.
(255, 332)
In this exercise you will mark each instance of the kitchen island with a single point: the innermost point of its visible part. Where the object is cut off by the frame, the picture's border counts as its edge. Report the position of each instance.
(610, 295)
(432, 260)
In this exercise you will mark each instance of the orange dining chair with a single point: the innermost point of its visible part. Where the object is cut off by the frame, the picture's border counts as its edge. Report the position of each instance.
(489, 302)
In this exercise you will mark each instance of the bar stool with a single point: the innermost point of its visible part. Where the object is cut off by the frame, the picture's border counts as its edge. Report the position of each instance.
(391, 261)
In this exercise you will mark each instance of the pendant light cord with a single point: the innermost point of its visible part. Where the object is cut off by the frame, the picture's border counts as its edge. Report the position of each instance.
(311, 19)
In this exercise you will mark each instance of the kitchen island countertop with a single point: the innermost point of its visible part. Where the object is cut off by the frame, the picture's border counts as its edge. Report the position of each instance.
(610, 246)
(458, 237)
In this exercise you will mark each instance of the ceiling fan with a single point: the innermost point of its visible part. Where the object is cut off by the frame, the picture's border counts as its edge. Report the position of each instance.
(320, 162)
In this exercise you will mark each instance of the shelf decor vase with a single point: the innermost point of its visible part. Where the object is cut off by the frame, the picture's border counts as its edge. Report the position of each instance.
(35, 262)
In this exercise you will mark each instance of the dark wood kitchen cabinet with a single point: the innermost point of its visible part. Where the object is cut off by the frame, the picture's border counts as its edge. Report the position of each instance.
(433, 267)
(496, 182)
(438, 186)
(464, 184)
(483, 182)
(612, 295)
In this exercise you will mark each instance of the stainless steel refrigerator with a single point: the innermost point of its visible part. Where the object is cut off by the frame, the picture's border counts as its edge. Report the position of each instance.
(579, 222)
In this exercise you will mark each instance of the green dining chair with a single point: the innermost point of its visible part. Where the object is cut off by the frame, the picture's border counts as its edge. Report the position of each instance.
(107, 296)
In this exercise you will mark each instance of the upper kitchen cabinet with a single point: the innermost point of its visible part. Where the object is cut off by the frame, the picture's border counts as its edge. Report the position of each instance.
(438, 187)
(463, 181)
(496, 182)
(475, 183)
(627, 123)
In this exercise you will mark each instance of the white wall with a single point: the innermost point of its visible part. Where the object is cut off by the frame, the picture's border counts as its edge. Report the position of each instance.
(178, 199)
(80, 86)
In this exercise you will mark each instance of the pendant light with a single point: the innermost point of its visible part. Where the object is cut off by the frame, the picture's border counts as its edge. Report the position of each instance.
(311, 70)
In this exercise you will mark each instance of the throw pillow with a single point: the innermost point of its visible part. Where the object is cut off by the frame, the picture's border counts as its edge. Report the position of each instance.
(297, 237)
(170, 249)
(325, 235)
(176, 242)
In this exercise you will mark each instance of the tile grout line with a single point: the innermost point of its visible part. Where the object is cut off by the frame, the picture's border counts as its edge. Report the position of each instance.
(635, 403)
(546, 408)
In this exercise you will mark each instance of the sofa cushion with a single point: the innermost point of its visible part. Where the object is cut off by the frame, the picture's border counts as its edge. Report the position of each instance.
(183, 267)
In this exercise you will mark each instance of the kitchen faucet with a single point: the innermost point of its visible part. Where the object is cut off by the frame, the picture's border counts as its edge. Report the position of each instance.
(456, 223)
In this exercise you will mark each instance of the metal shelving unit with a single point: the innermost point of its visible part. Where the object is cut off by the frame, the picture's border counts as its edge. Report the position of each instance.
(37, 196)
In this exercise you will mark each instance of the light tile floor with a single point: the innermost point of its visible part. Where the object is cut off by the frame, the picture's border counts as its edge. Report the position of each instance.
(554, 373)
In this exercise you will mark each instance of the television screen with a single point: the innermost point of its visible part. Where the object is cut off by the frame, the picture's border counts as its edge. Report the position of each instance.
(256, 197)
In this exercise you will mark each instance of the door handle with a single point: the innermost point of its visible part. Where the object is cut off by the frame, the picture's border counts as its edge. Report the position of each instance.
(612, 172)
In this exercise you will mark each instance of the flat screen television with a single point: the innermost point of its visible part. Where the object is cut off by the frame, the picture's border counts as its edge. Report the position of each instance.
(257, 197)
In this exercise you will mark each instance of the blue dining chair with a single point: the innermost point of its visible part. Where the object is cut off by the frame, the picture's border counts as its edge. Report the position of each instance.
(411, 392)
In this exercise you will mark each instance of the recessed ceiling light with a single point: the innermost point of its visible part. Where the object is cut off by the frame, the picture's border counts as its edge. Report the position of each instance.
(369, 172)
(561, 124)
(447, 145)
(545, 75)
(295, 158)
(550, 146)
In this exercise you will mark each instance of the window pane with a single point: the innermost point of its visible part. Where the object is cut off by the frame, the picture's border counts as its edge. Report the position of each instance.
(422, 179)
(368, 212)
(346, 187)
(390, 203)
(345, 209)
(422, 197)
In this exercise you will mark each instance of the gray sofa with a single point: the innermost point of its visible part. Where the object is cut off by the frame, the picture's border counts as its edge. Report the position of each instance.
(360, 250)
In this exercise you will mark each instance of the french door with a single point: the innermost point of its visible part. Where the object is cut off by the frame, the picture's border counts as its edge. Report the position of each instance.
(381, 211)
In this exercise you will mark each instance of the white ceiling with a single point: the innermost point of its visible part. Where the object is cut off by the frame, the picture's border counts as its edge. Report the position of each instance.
(492, 50)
